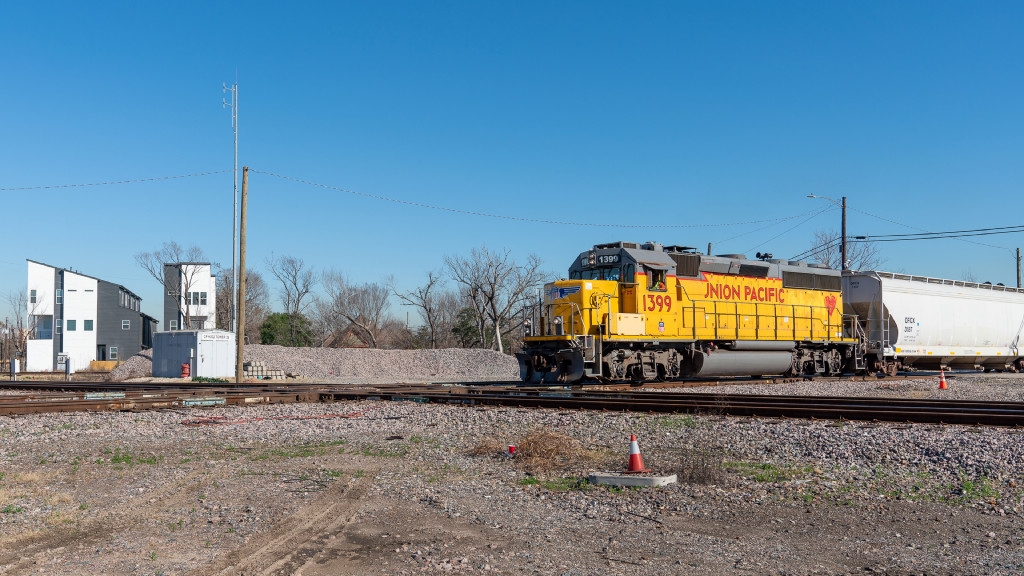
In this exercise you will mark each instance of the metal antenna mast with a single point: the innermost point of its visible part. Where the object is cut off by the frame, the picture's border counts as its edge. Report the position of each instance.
(234, 213)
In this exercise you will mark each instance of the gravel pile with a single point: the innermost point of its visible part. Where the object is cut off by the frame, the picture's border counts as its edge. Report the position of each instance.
(371, 364)
(361, 364)
(138, 366)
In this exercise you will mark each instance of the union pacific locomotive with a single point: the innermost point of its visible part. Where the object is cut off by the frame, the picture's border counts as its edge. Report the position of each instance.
(647, 312)
(652, 312)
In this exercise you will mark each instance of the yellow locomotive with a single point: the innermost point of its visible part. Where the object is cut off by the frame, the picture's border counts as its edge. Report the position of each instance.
(652, 312)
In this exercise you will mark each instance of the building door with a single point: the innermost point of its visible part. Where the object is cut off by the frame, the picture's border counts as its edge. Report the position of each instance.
(101, 352)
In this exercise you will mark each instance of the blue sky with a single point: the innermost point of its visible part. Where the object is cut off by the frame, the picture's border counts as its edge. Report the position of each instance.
(677, 114)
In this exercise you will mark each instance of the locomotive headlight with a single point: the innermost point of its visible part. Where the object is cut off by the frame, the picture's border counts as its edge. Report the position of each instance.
(527, 328)
(558, 325)
(593, 258)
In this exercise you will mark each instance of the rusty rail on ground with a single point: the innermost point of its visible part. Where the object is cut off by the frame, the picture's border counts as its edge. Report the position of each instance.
(133, 397)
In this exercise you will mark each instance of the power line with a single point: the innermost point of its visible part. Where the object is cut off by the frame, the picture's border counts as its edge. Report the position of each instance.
(952, 233)
(518, 218)
(114, 182)
(922, 229)
(862, 239)
(801, 223)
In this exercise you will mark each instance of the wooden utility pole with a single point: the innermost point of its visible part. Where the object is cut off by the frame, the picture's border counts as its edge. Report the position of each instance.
(845, 264)
(1018, 267)
(240, 297)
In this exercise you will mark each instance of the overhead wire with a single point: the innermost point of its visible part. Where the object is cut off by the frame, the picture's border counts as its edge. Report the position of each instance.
(801, 223)
(520, 218)
(949, 233)
(884, 219)
(133, 181)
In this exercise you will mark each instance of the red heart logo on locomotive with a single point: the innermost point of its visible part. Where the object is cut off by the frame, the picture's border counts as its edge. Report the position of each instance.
(830, 301)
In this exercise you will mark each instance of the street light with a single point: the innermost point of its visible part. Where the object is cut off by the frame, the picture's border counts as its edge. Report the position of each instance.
(843, 206)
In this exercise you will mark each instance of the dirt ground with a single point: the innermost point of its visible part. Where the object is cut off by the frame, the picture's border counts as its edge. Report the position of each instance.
(134, 494)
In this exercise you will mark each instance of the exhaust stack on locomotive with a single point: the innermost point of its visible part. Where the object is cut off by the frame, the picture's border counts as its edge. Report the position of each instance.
(652, 312)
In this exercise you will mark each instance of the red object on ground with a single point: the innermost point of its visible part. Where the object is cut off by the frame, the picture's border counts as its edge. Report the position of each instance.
(511, 449)
(942, 379)
(186, 370)
(636, 463)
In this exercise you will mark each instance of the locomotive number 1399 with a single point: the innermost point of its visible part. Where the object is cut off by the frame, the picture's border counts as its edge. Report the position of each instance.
(657, 302)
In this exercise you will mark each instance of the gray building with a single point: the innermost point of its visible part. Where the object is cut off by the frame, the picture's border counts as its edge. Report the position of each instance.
(78, 318)
(190, 298)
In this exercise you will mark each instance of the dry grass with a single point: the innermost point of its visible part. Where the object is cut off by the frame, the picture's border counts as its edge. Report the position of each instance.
(702, 462)
(489, 447)
(8, 540)
(542, 450)
(58, 498)
(539, 451)
(29, 478)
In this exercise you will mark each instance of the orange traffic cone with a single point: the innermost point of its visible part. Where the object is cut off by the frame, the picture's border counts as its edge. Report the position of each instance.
(636, 463)
(942, 379)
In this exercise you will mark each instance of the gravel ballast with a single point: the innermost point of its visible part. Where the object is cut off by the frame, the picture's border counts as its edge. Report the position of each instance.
(361, 364)
(408, 491)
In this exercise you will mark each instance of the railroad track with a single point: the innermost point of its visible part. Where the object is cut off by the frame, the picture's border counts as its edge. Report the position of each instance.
(742, 405)
(99, 385)
(137, 400)
(747, 405)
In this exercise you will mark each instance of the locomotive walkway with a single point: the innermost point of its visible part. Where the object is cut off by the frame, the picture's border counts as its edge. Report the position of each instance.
(80, 396)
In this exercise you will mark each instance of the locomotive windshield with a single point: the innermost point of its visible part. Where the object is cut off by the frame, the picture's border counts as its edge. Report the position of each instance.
(602, 273)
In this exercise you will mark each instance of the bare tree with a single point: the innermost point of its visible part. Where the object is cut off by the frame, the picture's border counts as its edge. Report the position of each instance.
(297, 281)
(323, 320)
(257, 303)
(172, 253)
(826, 247)
(446, 314)
(496, 284)
(437, 307)
(15, 333)
(363, 306)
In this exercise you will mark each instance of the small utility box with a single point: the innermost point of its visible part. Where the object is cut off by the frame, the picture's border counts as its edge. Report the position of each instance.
(209, 353)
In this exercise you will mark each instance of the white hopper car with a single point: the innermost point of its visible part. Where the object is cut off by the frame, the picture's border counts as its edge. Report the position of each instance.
(914, 321)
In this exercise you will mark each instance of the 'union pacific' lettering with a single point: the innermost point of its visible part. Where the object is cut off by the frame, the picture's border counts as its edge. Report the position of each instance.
(748, 293)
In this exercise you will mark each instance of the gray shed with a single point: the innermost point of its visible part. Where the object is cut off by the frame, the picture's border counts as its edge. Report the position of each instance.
(209, 353)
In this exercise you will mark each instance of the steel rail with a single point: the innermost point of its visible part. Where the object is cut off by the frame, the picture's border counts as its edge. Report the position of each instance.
(747, 405)
(157, 399)
(800, 407)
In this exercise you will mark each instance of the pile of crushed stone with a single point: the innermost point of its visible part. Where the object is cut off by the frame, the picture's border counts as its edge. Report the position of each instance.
(361, 363)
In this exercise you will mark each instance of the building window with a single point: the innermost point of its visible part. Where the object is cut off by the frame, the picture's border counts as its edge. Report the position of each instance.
(56, 325)
(202, 298)
(72, 325)
(40, 327)
(87, 325)
(113, 353)
(32, 297)
(60, 296)
(174, 324)
(126, 324)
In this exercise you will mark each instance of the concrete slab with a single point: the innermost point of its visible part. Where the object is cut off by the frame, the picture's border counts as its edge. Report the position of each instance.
(616, 479)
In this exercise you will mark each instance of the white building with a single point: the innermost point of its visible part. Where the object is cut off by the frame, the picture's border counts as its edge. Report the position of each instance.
(77, 318)
(190, 302)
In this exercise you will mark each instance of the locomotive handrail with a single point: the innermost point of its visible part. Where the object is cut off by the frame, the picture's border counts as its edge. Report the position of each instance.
(818, 328)
(573, 310)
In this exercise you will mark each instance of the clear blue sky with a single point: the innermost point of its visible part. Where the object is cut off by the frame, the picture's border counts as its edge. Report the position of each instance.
(676, 114)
